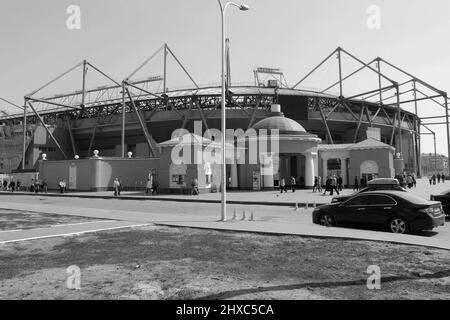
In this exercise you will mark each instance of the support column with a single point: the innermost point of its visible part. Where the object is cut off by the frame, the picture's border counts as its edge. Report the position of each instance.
(344, 171)
(324, 169)
(309, 170)
(234, 176)
(24, 146)
(316, 164)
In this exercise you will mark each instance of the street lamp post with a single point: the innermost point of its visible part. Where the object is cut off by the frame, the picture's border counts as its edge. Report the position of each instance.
(223, 8)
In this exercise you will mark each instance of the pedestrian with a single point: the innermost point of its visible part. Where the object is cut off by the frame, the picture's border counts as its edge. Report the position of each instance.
(293, 184)
(194, 185)
(414, 180)
(36, 186)
(430, 178)
(334, 185)
(282, 185)
(45, 185)
(18, 185)
(319, 183)
(409, 181)
(339, 183)
(328, 186)
(362, 182)
(116, 187)
(155, 186)
(434, 179)
(438, 177)
(316, 184)
(12, 185)
(65, 185)
(148, 187)
(356, 184)
(5, 185)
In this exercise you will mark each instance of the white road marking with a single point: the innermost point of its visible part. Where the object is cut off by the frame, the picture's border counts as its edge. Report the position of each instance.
(64, 235)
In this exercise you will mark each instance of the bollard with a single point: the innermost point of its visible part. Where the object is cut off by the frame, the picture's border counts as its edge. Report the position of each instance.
(251, 217)
(243, 216)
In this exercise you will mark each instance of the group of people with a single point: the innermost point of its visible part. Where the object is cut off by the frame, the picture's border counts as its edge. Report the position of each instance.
(333, 183)
(38, 185)
(11, 185)
(436, 178)
(406, 180)
(151, 187)
(283, 186)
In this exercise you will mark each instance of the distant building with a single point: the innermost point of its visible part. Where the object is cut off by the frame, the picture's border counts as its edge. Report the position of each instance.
(431, 164)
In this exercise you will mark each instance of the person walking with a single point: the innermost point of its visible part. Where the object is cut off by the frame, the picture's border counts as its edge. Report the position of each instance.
(334, 185)
(328, 186)
(194, 185)
(5, 185)
(319, 183)
(316, 184)
(116, 187)
(282, 185)
(36, 186)
(155, 187)
(339, 183)
(409, 181)
(438, 177)
(356, 184)
(293, 182)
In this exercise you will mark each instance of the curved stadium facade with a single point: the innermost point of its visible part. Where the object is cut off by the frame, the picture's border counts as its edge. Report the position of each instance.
(99, 126)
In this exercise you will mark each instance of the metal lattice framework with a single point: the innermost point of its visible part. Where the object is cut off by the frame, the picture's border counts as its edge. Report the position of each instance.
(382, 105)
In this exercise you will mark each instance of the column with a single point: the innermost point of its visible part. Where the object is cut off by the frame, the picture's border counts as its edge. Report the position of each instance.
(344, 171)
(309, 170)
(324, 170)
(267, 168)
(234, 176)
(316, 164)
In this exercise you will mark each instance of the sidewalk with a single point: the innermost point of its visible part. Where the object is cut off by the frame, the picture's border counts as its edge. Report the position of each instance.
(271, 198)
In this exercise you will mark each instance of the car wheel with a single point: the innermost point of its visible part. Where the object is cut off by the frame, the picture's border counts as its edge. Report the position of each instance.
(326, 220)
(398, 225)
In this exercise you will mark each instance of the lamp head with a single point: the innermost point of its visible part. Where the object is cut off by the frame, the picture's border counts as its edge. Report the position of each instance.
(244, 7)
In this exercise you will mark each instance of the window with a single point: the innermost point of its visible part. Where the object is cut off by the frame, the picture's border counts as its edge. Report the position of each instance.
(178, 178)
(359, 201)
(380, 200)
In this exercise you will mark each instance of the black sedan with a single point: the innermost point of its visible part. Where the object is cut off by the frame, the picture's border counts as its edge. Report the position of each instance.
(396, 211)
(444, 198)
(368, 189)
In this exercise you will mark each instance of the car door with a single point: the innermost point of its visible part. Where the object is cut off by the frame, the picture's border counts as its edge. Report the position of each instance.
(381, 209)
(353, 209)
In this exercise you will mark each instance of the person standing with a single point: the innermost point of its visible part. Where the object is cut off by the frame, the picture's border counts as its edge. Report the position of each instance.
(5, 185)
(148, 187)
(438, 177)
(45, 185)
(36, 186)
(319, 183)
(293, 184)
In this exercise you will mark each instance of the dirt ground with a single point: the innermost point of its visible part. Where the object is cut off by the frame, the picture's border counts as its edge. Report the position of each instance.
(21, 220)
(177, 263)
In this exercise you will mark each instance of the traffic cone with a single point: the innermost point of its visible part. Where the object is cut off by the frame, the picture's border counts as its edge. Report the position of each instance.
(315, 205)
(251, 217)
(307, 206)
(234, 214)
(296, 206)
(243, 216)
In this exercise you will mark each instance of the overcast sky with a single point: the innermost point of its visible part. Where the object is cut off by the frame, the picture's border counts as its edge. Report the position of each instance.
(293, 35)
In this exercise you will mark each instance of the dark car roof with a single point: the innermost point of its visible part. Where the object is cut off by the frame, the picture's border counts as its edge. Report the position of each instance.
(399, 194)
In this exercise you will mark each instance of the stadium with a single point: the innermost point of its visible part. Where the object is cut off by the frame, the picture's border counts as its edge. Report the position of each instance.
(132, 116)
